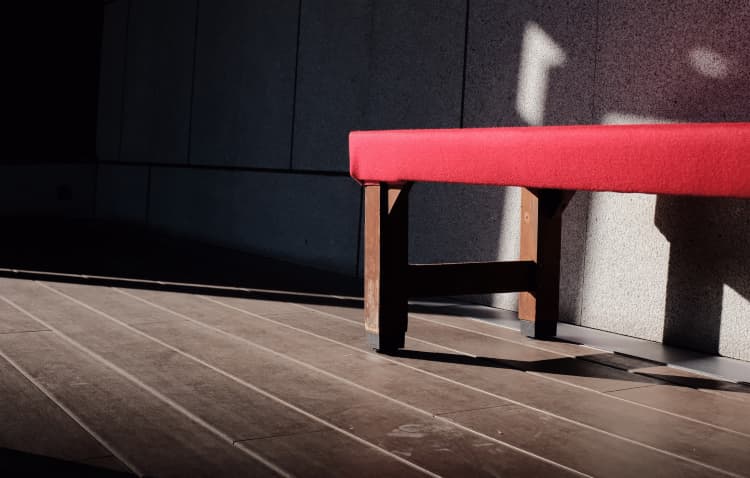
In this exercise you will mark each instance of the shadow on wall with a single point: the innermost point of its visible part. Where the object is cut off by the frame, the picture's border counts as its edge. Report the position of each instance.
(517, 73)
(691, 64)
(709, 254)
(607, 61)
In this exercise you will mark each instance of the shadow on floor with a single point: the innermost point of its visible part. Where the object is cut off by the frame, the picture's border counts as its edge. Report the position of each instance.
(117, 255)
(592, 366)
(94, 248)
(108, 255)
(19, 463)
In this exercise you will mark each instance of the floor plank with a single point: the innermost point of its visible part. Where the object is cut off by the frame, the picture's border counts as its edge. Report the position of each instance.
(27, 414)
(522, 354)
(151, 435)
(369, 415)
(13, 322)
(243, 414)
(14, 463)
(698, 381)
(467, 323)
(720, 449)
(595, 453)
(427, 393)
(278, 379)
(328, 453)
(711, 408)
(376, 373)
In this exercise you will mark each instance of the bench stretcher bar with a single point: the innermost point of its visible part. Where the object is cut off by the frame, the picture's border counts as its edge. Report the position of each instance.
(390, 280)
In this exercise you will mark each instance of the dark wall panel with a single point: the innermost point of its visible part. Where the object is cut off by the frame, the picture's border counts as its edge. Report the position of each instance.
(61, 190)
(309, 220)
(158, 81)
(417, 64)
(114, 38)
(333, 81)
(244, 83)
(122, 193)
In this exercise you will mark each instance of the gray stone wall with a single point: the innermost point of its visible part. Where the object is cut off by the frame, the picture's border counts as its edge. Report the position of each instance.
(227, 120)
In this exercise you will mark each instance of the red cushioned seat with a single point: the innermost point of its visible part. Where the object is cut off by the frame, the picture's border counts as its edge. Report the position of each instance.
(710, 159)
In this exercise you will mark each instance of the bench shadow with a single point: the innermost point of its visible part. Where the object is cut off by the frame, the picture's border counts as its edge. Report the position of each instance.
(709, 254)
(21, 463)
(687, 64)
(593, 366)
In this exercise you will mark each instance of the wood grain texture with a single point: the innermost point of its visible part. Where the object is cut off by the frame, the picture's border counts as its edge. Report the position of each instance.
(541, 232)
(386, 259)
(27, 414)
(371, 416)
(588, 407)
(142, 428)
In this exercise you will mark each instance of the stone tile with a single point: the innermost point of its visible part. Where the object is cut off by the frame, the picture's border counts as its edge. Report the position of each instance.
(111, 74)
(333, 80)
(65, 190)
(707, 299)
(658, 61)
(306, 219)
(122, 192)
(625, 273)
(375, 65)
(456, 222)
(417, 64)
(687, 62)
(510, 43)
(573, 255)
(158, 81)
(244, 83)
(669, 269)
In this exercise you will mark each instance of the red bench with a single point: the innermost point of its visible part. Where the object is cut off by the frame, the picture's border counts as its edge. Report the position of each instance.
(550, 163)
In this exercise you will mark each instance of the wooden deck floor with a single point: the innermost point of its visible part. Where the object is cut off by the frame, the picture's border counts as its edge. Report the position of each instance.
(111, 378)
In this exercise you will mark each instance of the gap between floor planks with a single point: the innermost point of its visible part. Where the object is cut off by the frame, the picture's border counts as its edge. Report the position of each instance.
(541, 460)
(585, 355)
(141, 292)
(645, 407)
(393, 470)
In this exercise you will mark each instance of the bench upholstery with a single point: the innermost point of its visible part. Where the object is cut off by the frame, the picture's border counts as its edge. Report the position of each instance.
(550, 163)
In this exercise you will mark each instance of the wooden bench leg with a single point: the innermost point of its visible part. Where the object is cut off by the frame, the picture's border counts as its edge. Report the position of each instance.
(541, 230)
(386, 262)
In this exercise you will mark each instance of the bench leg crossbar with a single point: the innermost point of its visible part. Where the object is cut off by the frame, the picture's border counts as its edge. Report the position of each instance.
(390, 280)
